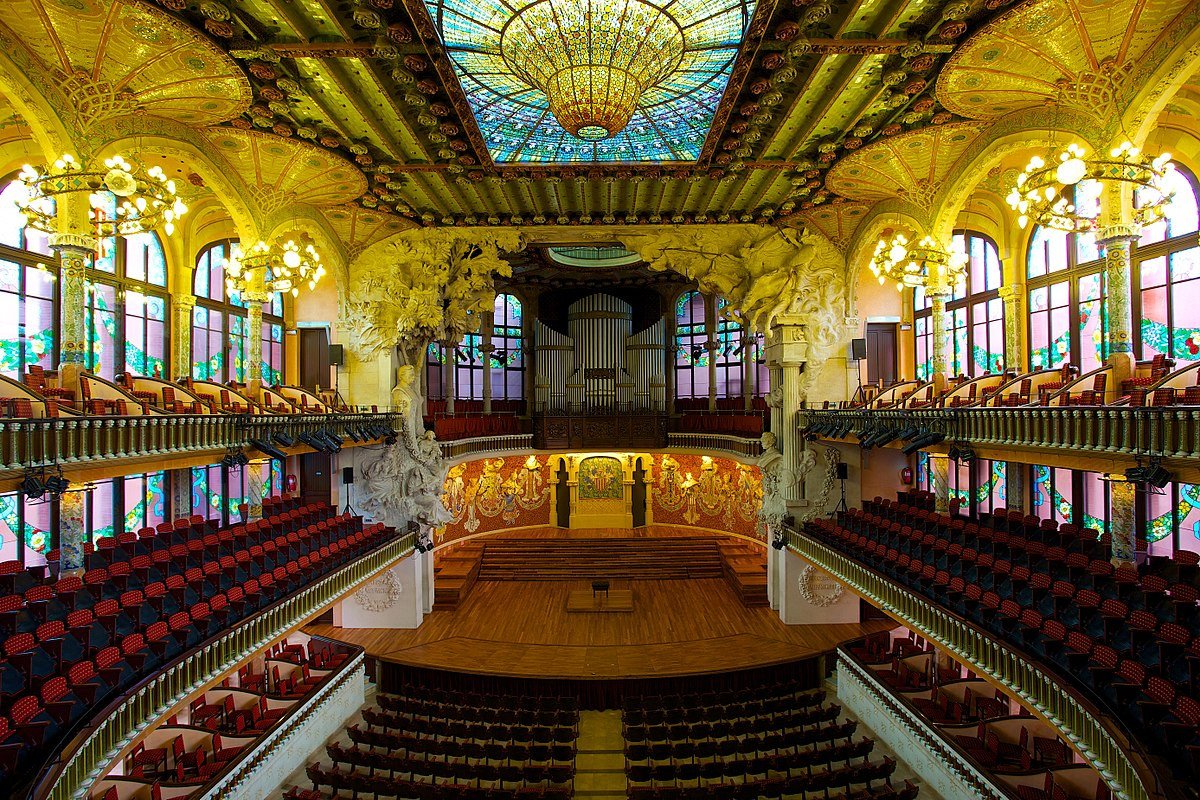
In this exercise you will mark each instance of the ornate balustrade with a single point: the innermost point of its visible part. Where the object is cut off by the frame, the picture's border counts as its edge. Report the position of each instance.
(1171, 432)
(750, 447)
(699, 442)
(1096, 736)
(73, 440)
(487, 444)
(81, 761)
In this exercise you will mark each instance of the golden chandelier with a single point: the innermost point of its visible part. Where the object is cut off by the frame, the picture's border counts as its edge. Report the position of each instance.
(1043, 193)
(283, 265)
(925, 263)
(593, 59)
(145, 198)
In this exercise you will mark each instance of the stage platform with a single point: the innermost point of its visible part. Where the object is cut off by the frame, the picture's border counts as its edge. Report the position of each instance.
(523, 629)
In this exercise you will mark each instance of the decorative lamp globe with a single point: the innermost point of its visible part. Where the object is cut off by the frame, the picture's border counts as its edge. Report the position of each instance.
(593, 59)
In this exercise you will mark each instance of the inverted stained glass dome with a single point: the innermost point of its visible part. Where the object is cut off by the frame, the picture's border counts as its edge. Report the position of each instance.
(672, 117)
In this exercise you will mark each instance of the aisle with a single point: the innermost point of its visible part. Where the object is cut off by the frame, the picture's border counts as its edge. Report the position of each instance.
(600, 756)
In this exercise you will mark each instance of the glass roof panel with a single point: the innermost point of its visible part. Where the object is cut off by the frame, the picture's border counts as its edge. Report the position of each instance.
(672, 118)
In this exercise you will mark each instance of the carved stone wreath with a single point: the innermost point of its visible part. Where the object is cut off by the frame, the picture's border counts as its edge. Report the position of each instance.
(381, 594)
(807, 591)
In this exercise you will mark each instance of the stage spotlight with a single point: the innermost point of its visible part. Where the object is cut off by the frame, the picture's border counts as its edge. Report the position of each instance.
(353, 435)
(267, 449)
(283, 439)
(1157, 476)
(32, 487)
(241, 459)
(57, 484)
(965, 454)
(313, 442)
(779, 542)
(227, 460)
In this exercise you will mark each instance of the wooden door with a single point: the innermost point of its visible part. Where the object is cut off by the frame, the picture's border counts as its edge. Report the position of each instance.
(314, 358)
(315, 481)
(881, 353)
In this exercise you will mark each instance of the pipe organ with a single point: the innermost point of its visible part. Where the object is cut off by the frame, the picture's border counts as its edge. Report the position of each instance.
(602, 364)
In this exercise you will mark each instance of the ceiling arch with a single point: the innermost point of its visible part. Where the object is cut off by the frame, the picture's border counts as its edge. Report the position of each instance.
(111, 57)
(911, 166)
(1080, 53)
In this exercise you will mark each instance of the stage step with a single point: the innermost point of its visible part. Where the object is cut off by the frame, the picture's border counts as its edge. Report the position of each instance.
(600, 757)
(745, 568)
(545, 559)
(455, 571)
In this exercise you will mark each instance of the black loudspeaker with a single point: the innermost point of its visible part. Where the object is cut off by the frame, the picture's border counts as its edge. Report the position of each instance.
(337, 355)
(347, 475)
(858, 349)
(843, 471)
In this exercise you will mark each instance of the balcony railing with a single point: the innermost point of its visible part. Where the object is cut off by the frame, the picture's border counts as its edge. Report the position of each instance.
(81, 761)
(750, 447)
(71, 440)
(1093, 735)
(747, 447)
(1164, 432)
(487, 444)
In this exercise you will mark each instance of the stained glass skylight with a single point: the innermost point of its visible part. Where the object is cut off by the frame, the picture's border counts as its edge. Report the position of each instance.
(670, 123)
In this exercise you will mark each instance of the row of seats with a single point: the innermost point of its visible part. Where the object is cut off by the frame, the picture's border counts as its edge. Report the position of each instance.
(1130, 636)
(764, 786)
(450, 428)
(87, 645)
(735, 424)
(442, 744)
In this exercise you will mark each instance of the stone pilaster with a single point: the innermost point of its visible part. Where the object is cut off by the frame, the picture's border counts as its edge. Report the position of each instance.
(939, 474)
(254, 489)
(1122, 495)
(788, 354)
(182, 306)
(181, 492)
(747, 369)
(486, 349)
(254, 316)
(450, 351)
(72, 533)
(712, 347)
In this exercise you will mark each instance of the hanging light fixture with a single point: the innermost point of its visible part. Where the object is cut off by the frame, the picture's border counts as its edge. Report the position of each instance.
(593, 59)
(1043, 193)
(145, 198)
(912, 264)
(284, 266)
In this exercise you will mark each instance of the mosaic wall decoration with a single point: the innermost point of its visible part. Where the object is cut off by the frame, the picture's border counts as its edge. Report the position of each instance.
(707, 492)
(600, 478)
(670, 123)
(495, 493)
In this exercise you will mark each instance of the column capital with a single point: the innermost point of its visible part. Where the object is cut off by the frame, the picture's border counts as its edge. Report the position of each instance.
(77, 242)
(184, 301)
(1119, 232)
(1011, 291)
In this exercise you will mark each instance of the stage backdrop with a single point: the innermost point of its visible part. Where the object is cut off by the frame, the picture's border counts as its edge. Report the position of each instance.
(683, 490)
(706, 492)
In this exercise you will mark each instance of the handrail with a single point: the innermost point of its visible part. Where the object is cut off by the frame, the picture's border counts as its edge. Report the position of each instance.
(72, 440)
(73, 770)
(486, 444)
(1097, 739)
(750, 447)
(1164, 432)
(952, 754)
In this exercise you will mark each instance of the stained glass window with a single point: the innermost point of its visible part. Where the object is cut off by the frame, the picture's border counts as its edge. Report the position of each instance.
(728, 354)
(25, 529)
(100, 326)
(1049, 325)
(435, 360)
(145, 334)
(507, 360)
(272, 353)
(99, 510)
(670, 123)
(1096, 514)
(974, 318)
(13, 231)
(208, 491)
(1052, 491)
(1093, 322)
(220, 329)
(145, 501)
(691, 351)
(468, 368)
(28, 291)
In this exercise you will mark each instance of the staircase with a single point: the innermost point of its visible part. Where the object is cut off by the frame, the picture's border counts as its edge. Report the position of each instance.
(668, 558)
(745, 567)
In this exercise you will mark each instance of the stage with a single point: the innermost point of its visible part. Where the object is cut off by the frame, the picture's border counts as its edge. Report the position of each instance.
(673, 628)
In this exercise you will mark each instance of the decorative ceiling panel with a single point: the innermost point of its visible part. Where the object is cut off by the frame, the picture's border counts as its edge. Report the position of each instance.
(1077, 52)
(117, 55)
(671, 120)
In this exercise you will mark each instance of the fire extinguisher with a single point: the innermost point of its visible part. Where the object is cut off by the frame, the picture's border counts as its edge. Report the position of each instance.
(289, 483)
(906, 476)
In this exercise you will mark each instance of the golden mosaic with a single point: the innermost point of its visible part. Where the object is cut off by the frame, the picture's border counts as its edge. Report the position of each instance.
(284, 170)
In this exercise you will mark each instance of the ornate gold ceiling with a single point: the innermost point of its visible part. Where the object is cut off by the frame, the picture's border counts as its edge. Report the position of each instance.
(353, 105)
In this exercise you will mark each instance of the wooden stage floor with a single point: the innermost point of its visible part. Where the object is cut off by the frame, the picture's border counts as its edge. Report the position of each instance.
(676, 628)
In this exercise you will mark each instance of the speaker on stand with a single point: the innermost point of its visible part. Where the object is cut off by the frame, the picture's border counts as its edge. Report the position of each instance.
(337, 359)
(858, 354)
(842, 472)
(348, 482)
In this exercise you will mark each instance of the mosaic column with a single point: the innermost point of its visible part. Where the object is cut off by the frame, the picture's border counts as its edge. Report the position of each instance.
(72, 533)
(1118, 299)
(254, 489)
(254, 315)
(747, 370)
(181, 492)
(1014, 480)
(1014, 341)
(938, 316)
(1122, 495)
(939, 474)
(182, 306)
(449, 352)
(788, 433)
(73, 251)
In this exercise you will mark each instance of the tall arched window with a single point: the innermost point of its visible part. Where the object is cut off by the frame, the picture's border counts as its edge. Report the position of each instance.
(974, 315)
(1166, 278)
(28, 292)
(272, 340)
(126, 317)
(691, 353)
(507, 362)
(728, 353)
(1065, 282)
(219, 326)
